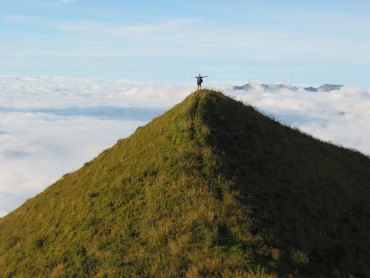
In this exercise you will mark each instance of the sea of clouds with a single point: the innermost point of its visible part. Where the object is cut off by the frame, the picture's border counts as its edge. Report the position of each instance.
(50, 126)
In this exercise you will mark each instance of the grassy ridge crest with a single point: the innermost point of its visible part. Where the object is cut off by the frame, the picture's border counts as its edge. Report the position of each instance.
(211, 188)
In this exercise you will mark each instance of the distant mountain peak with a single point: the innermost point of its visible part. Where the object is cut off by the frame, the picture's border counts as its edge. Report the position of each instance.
(329, 87)
(275, 87)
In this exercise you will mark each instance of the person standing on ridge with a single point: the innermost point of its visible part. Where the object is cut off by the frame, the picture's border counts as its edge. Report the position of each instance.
(199, 80)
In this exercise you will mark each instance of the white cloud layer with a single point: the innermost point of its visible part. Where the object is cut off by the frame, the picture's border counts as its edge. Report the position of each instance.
(51, 126)
(37, 149)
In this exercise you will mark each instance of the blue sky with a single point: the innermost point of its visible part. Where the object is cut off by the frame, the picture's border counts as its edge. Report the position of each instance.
(69, 70)
(307, 42)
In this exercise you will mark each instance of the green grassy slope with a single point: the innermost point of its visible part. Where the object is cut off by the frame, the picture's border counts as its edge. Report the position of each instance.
(211, 188)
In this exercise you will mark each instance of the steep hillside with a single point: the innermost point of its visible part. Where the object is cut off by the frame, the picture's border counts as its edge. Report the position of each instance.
(211, 188)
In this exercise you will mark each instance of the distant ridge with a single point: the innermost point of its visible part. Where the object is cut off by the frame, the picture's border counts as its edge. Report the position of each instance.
(212, 188)
(275, 87)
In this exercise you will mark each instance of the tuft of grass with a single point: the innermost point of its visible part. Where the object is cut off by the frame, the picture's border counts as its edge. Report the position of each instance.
(212, 188)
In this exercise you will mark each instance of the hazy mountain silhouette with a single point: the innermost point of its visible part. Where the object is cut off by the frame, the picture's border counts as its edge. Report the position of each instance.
(275, 87)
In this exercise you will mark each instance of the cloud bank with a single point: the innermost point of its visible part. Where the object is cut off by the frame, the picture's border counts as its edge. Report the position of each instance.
(50, 126)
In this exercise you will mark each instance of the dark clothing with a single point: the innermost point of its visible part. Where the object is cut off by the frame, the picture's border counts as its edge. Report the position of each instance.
(199, 81)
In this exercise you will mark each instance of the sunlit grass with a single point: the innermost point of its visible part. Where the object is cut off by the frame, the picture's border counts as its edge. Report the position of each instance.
(212, 188)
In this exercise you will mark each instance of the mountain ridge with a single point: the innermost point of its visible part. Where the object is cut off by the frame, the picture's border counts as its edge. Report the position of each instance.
(275, 87)
(210, 188)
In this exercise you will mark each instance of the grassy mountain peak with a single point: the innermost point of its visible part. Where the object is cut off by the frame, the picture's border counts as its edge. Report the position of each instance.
(212, 188)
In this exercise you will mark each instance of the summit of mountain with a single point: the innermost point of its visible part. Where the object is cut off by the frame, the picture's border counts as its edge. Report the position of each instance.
(212, 188)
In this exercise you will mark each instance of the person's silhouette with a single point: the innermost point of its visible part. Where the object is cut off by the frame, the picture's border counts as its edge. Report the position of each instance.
(200, 80)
